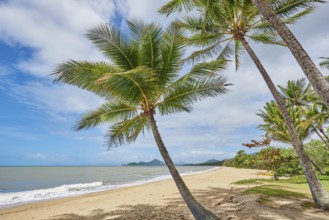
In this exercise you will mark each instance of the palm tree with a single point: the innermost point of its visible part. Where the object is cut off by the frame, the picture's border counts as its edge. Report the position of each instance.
(313, 74)
(298, 93)
(275, 127)
(300, 96)
(231, 22)
(142, 80)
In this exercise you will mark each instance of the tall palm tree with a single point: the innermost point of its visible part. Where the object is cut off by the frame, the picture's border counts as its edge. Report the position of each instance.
(231, 22)
(310, 70)
(143, 79)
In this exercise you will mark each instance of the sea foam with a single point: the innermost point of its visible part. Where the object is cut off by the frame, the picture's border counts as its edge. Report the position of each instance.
(10, 199)
(7, 199)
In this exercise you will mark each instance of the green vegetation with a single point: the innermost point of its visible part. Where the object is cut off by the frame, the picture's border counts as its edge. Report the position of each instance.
(283, 162)
(294, 187)
(274, 190)
(292, 180)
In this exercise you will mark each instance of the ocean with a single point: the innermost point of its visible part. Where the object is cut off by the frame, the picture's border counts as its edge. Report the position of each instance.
(20, 185)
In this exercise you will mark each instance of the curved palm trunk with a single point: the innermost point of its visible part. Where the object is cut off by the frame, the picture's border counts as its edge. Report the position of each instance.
(320, 136)
(313, 74)
(324, 134)
(321, 198)
(316, 166)
(198, 211)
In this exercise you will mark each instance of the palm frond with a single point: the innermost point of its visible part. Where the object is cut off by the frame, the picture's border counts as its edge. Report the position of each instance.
(136, 27)
(115, 45)
(226, 53)
(150, 45)
(267, 38)
(171, 53)
(108, 112)
(287, 8)
(238, 49)
(205, 69)
(133, 86)
(191, 23)
(203, 54)
(294, 18)
(324, 62)
(184, 94)
(172, 107)
(84, 74)
(126, 131)
(176, 5)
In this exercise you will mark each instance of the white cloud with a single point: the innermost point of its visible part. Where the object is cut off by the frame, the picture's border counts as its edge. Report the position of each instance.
(38, 156)
(41, 157)
(145, 10)
(59, 99)
(54, 30)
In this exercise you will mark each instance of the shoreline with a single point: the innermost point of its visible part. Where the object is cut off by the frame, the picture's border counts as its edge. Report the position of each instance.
(154, 193)
(104, 188)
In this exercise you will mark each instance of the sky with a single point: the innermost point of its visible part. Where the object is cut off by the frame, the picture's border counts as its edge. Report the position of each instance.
(37, 117)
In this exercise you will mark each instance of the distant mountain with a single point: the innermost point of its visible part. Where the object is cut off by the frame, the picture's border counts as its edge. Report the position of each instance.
(154, 162)
(212, 162)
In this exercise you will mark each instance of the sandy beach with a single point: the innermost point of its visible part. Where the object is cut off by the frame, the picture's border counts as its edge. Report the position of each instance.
(155, 194)
(161, 200)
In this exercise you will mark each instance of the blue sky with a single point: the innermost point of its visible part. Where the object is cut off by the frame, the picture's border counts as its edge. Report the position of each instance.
(37, 117)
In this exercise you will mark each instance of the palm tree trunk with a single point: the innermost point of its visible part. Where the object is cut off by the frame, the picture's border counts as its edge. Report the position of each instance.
(313, 74)
(324, 134)
(320, 136)
(316, 166)
(321, 198)
(198, 211)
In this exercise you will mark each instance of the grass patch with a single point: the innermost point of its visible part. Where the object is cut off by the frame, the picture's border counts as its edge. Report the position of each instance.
(274, 190)
(294, 187)
(295, 180)
(253, 181)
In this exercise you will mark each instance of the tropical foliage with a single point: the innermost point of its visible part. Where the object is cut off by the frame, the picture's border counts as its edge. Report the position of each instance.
(308, 113)
(220, 26)
(142, 79)
(283, 162)
(319, 153)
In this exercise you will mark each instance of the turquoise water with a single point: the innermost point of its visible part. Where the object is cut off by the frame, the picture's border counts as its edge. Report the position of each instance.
(28, 184)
